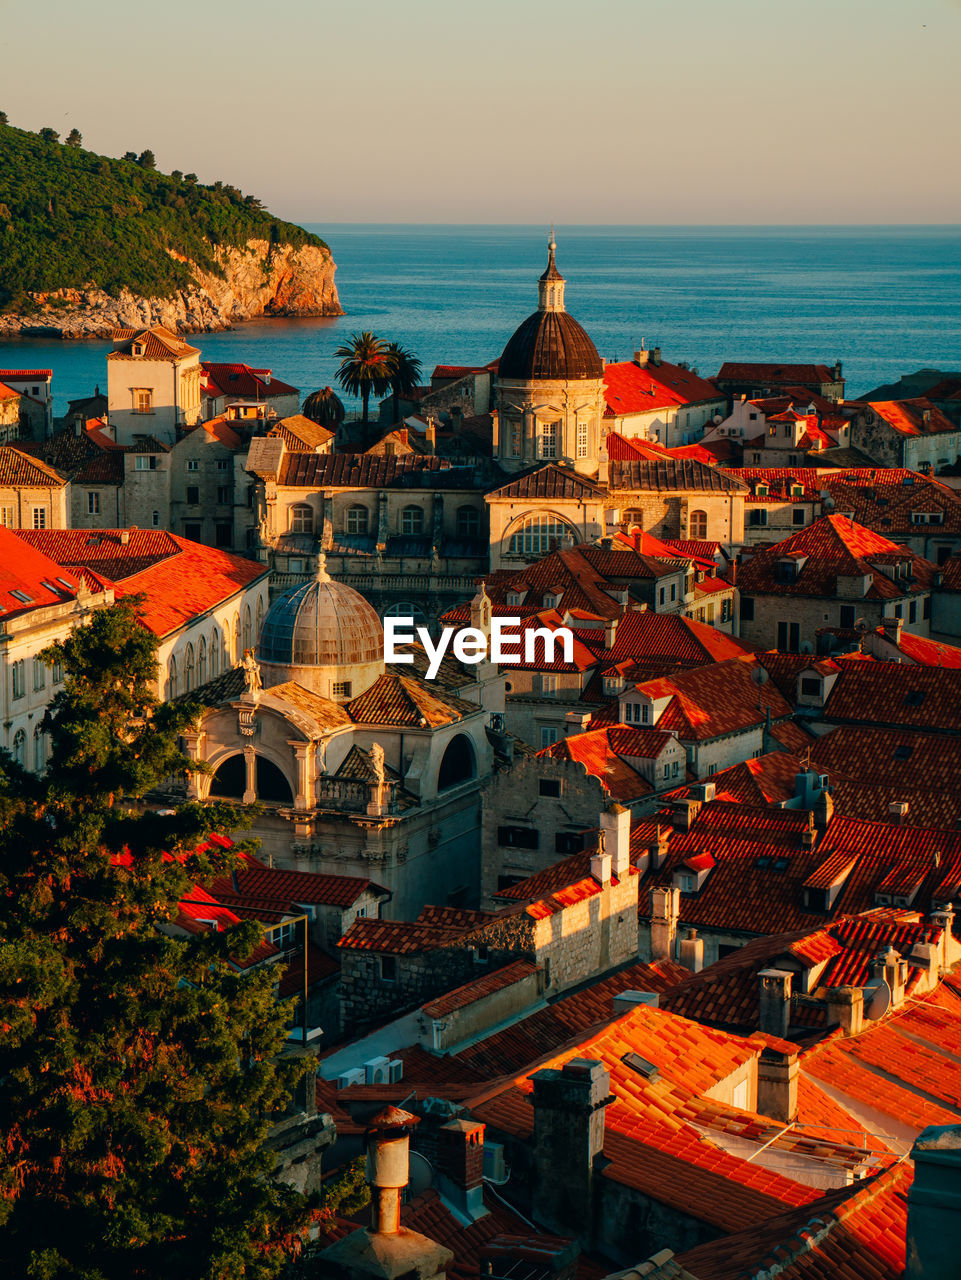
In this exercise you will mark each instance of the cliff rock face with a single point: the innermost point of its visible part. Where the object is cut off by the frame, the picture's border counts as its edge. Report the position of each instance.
(258, 281)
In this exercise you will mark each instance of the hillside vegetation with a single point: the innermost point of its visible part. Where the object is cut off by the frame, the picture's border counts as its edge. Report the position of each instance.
(70, 217)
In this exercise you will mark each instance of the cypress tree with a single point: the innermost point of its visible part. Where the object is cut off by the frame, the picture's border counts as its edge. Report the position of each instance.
(139, 1072)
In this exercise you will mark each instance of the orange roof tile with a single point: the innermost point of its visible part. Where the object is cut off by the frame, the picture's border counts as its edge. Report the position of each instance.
(487, 985)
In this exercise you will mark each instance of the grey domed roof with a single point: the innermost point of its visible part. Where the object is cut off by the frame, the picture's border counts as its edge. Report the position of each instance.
(321, 624)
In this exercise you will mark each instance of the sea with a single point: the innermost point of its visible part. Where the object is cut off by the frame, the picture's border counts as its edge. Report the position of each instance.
(883, 300)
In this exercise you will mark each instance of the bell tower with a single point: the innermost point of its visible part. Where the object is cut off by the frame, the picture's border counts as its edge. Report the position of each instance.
(550, 287)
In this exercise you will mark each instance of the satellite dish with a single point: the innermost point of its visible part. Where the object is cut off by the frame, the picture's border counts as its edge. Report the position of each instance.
(877, 999)
(420, 1173)
(861, 626)
(759, 675)
(807, 647)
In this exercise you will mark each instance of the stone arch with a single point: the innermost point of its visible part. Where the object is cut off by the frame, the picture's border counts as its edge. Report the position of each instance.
(535, 533)
(458, 763)
(229, 779)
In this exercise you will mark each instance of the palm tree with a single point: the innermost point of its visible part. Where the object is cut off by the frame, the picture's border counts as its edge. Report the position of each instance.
(406, 373)
(366, 367)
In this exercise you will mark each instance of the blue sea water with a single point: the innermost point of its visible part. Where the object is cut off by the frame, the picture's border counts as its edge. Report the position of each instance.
(884, 300)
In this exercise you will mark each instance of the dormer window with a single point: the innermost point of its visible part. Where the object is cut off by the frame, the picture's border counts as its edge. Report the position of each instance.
(797, 491)
(515, 599)
(551, 600)
(637, 713)
(138, 348)
(762, 490)
(613, 685)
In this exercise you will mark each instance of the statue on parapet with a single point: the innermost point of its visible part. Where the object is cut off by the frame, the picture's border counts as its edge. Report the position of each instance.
(253, 682)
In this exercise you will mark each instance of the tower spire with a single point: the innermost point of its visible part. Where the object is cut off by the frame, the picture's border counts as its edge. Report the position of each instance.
(551, 283)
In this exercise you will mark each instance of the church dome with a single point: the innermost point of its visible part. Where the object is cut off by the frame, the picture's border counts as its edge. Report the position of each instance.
(550, 344)
(321, 624)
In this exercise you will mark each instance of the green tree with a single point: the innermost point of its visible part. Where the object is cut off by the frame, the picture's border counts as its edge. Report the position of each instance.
(139, 1073)
(74, 138)
(3, 118)
(131, 156)
(365, 367)
(405, 373)
(147, 160)
(49, 135)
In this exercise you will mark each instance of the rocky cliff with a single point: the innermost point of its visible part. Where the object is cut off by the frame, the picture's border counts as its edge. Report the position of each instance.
(258, 280)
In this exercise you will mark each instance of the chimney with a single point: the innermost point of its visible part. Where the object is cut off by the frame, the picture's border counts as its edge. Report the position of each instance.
(656, 356)
(641, 357)
(846, 1009)
(460, 1166)
(889, 966)
(124, 537)
(774, 1012)
(934, 1204)
(616, 827)
(610, 632)
(692, 951)
(892, 629)
(943, 917)
(601, 868)
(684, 813)
(385, 1249)
(665, 906)
(731, 574)
(430, 435)
(777, 1081)
(898, 812)
(568, 1139)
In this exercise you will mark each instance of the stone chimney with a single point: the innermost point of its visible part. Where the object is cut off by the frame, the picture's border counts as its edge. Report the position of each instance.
(944, 918)
(683, 814)
(568, 1139)
(774, 1013)
(656, 356)
(665, 907)
(889, 966)
(898, 812)
(460, 1166)
(692, 951)
(934, 1204)
(616, 827)
(385, 1250)
(601, 867)
(892, 629)
(846, 1009)
(777, 1081)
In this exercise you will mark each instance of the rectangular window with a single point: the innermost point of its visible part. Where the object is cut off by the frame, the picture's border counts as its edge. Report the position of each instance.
(747, 608)
(518, 837)
(757, 518)
(549, 735)
(711, 770)
(675, 768)
(193, 532)
(39, 518)
(223, 464)
(341, 689)
(145, 462)
(789, 637)
(898, 608)
(550, 787)
(223, 534)
(224, 495)
(811, 686)
(797, 515)
(193, 495)
(673, 592)
(39, 674)
(667, 771)
(582, 439)
(846, 616)
(913, 611)
(548, 440)
(548, 684)
(57, 672)
(6, 517)
(193, 464)
(17, 679)
(516, 429)
(661, 595)
(388, 968)
(93, 504)
(926, 611)
(142, 400)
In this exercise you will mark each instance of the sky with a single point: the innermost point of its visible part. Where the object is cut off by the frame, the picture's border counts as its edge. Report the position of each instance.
(515, 111)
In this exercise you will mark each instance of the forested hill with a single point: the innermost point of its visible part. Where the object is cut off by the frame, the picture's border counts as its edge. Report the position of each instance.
(71, 218)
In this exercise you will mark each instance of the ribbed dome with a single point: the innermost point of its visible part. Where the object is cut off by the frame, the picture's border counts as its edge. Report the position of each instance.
(321, 624)
(550, 344)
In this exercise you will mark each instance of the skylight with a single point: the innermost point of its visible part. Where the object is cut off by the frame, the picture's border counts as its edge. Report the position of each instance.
(21, 596)
(641, 1065)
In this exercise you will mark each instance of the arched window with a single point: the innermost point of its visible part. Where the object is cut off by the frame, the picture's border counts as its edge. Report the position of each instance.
(172, 678)
(19, 746)
(214, 653)
(697, 525)
(468, 522)
(538, 534)
(246, 636)
(407, 609)
(412, 520)
(301, 518)
(189, 669)
(458, 764)
(202, 662)
(39, 750)
(260, 618)
(235, 654)
(358, 519)
(634, 517)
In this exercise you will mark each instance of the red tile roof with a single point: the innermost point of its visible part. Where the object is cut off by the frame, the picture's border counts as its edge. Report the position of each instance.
(31, 574)
(913, 417)
(18, 375)
(711, 701)
(158, 344)
(8, 393)
(790, 375)
(401, 700)
(897, 696)
(258, 884)
(672, 474)
(768, 779)
(179, 579)
(18, 470)
(241, 382)
(369, 471)
(549, 481)
(630, 388)
(601, 752)
(479, 989)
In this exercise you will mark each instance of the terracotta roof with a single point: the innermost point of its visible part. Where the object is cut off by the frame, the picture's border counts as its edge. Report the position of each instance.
(479, 989)
(831, 547)
(398, 700)
(907, 417)
(255, 881)
(301, 434)
(241, 382)
(219, 429)
(766, 780)
(630, 388)
(671, 475)
(8, 393)
(602, 752)
(793, 375)
(549, 481)
(179, 579)
(21, 471)
(158, 344)
(398, 937)
(38, 580)
(19, 375)
(896, 695)
(711, 701)
(371, 471)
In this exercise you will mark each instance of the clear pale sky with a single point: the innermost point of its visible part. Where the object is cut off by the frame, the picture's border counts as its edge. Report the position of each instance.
(510, 111)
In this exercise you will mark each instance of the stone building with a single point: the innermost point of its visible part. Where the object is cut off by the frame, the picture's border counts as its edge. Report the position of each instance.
(756, 380)
(358, 771)
(153, 384)
(35, 389)
(651, 399)
(912, 434)
(549, 391)
(32, 494)
(9, 414)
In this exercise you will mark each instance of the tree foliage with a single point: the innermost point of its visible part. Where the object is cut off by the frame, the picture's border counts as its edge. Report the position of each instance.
(114, 221)
(372, 366)
(74, 138)
(139, 1072)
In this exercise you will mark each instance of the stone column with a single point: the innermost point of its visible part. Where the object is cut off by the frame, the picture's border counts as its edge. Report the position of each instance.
(192, 740)
(304, 754)
(250, 764)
